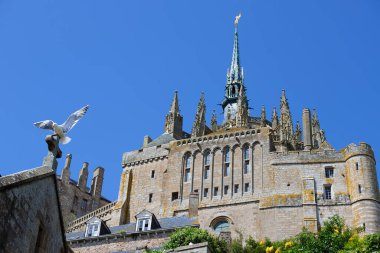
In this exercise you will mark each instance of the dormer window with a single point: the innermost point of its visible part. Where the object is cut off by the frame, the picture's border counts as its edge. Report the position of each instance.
(96, 227)
(92, 230)
(146, 221)
(143, 224)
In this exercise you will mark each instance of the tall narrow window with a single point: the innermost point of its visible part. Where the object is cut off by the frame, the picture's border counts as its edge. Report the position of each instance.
(236, 188)
(207, 165)
(357, 165)
(150, 197)
(152, 174)
(227, 162)
(327, 191)
(360, 188)
(246, 159)
(187, 168)
(329, 172)
(246, 187)
(225, 189)
(205, 192)
(216, 191)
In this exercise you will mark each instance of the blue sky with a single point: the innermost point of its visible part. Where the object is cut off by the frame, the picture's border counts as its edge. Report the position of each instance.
(126, 58)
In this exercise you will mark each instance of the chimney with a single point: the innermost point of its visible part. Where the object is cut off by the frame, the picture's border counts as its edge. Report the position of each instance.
(97, 182)
(147, 140)
(65, 175)
(54, 152)
(83, 175)
(193, 204)
(306, 124)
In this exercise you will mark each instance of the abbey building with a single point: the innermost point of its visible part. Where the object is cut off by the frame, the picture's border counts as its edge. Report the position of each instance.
(250, 175)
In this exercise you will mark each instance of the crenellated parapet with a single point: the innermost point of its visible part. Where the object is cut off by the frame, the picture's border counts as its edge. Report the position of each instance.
(354, 150)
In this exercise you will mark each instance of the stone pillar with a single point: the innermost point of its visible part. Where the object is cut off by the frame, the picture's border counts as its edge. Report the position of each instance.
(193, 204)
(306, 124)
(53, 152)
(65, 175)
(83, 175)
(97, 182)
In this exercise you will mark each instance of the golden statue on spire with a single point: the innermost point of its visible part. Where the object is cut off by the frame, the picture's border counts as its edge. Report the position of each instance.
(237, 19)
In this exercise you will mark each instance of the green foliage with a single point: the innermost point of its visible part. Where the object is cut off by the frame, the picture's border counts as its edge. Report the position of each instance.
(185, 236)
(372, 243)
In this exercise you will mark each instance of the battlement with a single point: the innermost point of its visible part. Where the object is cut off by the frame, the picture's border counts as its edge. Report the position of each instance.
(354, 150)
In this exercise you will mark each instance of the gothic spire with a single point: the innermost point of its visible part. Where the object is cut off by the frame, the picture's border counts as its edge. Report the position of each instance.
(175, 105)
(274, 119)
(242, 113)
(286, 117)
(235, 71)
(263, 117)
(214, 123)
(199, 125)
(173, 120)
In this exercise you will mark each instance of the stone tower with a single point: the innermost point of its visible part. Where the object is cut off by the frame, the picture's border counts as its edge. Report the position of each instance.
(174, 121)
(199, 125)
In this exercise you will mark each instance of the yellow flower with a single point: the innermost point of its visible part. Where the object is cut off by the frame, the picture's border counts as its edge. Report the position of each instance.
(269, 250)
(336, 231)
(278, 250)
(289, 244)
(261, 243)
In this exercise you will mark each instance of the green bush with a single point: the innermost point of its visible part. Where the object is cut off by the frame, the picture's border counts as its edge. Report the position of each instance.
(185, 236)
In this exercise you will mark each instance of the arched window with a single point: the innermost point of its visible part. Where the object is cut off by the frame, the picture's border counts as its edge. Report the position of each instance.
(187, 173)
(246, 159)
(227, 162)
(222, 226)
(207, 161)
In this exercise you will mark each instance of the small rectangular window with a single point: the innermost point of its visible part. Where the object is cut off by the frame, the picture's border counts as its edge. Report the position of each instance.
(152, 174)
(226, 169)
(174, 196)
(207, 172)
(196, 190)
(360, 188)
(150, 197)
(246, 187)
(329, 172)
(205, 192)
(246, 167)
(187, 175)
(216, 191)
(236, 188)
(327, 191)
(84, 204)
(225, 189)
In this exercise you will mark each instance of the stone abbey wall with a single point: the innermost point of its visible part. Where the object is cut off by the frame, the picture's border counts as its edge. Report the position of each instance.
(288, 187)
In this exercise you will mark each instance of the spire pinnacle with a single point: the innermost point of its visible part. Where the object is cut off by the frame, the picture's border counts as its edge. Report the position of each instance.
(175, 105)
(263, 116)
(235, 71)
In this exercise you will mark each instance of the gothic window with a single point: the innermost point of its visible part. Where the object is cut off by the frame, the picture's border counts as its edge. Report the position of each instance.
(329, 172)
(327, 191)
(187, 168)
(246, 159)
(222, 226)
(207, 165)
(227, 162)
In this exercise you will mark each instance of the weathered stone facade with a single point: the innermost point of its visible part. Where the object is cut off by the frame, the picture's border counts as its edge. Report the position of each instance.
(75, 197)
(256, 177)
(30, 216)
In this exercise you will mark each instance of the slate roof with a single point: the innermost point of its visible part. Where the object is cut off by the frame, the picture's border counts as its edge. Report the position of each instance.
(162, 139)
(165, 223)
